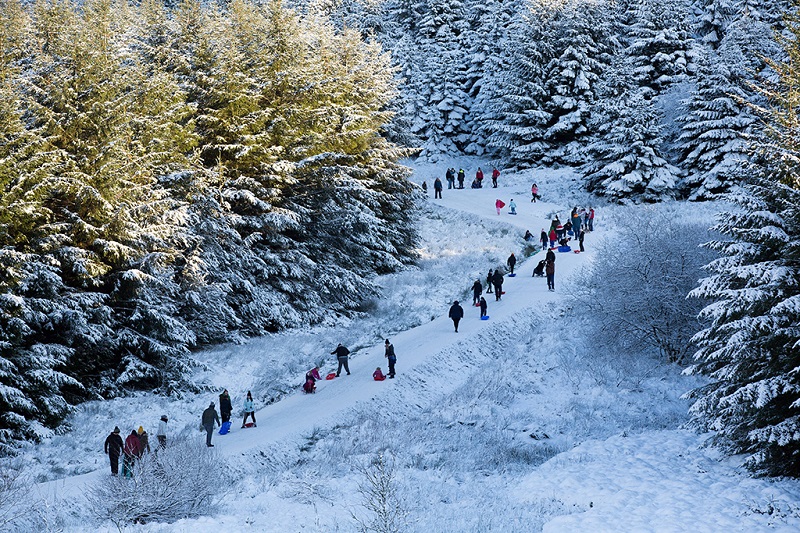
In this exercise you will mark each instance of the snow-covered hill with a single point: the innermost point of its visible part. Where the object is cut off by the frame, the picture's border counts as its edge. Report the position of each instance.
(512, 424)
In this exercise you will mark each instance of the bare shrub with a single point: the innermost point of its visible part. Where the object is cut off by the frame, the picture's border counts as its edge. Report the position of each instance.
(380, 498)
(181, 481)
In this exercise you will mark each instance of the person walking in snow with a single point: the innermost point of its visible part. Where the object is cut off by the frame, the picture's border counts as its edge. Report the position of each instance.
(131, 453)
(495, 175)
(543, 239)
(497, 281)
(113, 447)
(450, 176)
(535, 193)
(553, 237)
(484, 306)
(208, 419)
(161, 432)
(512, 260)
(499, 204)
(479, 177)
(342, 356)
(580, 240)
(144, 441)
(390, 357)
(550, 270)
(513, 207)
(249, 410)
(461, 176)
(489, 282)
(437, 189)
(477, 290)
(225, 406)
(456, 313)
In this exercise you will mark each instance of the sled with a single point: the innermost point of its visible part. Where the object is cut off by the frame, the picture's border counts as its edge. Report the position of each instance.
(249, 424)
(501, 204)
(331, 376)
(577, 251)
(564, 249)
(512, 212)
(485, 317)
(477, 305)
(512, 275)
(502, 293)
(225, 428)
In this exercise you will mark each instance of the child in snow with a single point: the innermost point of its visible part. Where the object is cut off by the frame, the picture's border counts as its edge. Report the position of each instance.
(528, 235)
(378, 375)
(513, 207)
(543, 239)
(535, 193)
(553, 238)
(499, 204)
(483, 307)
(489, 282)
(249, 409)
(425, 187)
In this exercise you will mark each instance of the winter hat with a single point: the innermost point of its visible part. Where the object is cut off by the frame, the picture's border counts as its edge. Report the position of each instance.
(211, 404)
(164, 418)
(116, 429)
(455, 303)
(387, 341)
(141, 430)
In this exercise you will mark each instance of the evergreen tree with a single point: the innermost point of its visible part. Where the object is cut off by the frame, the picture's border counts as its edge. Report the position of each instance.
(750, 349)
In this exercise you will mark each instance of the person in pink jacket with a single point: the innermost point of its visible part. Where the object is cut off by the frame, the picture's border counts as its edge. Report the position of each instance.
(499, 204)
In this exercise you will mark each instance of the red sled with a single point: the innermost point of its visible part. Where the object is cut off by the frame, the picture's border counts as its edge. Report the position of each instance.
(577, 251)
(477, 305)
(330, 376)
(249, 425)
(502, 293)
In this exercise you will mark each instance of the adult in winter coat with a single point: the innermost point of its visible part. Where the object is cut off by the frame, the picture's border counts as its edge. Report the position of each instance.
(495, 175)
(512, 207)
(131, 453)
(342, 355)
(161, 432)
(543, 239)
(479, 177)
(450, 176)
(489, 282)
(225, 406)
(209, 417)
(568, 228)
(461, 176)
(591, 219)
(497, 281)
(456, 313)
(553, 237)
(512, 260)
(550, 270)
(391, 357)
(437, 188)
(575, 218)
(477, 290)
(484, 306)
(113, 447)
(249, 409)
(144, 441)
(580, 239)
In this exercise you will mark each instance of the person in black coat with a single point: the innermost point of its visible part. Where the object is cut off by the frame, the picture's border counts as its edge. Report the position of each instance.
(544, 239)
(461, 176)
(456, 313)
(484, 306)
(580, 240)
(489, 282)
(113, 447)
(497, 281)
(342, 354)
(437, 189)
(477, 290)
(512, 260)
(391, 357)
(550, 257)
(225, 406)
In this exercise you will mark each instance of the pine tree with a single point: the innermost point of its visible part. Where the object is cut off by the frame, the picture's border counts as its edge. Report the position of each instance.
(750, 348)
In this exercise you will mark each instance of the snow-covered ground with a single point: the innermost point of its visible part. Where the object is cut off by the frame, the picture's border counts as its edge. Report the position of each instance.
(512, 424)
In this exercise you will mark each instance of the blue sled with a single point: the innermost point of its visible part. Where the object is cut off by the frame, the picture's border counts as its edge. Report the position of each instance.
(485, 317)
(512, 275)
(225, 428)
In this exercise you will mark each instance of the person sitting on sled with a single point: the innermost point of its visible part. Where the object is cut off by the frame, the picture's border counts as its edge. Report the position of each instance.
(378, 375)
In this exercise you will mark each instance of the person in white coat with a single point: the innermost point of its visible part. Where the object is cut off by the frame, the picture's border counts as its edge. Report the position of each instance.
(161, 434)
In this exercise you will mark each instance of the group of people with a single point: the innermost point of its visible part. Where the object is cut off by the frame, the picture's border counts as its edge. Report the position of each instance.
(342, 357)
(209, 420)
(451, 177)
(494, 280)
(133, 447)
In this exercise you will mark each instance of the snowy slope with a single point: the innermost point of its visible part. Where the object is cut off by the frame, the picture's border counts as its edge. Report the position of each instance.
(506, 425)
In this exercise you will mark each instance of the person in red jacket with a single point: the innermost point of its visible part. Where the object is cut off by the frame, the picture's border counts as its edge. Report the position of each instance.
(479, 177)
(131, 452)
(499, 204)
(378, 375)
(495, 175)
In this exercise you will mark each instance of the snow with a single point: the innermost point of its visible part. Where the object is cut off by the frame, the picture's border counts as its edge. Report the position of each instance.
(512, 424)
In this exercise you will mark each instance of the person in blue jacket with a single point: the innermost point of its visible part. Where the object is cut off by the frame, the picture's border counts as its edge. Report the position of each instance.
(249, 410)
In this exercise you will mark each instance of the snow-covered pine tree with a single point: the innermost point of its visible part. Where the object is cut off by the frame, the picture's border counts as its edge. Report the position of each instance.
(751, 349)
(718, 121)
(712, 20)
(625, 164)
